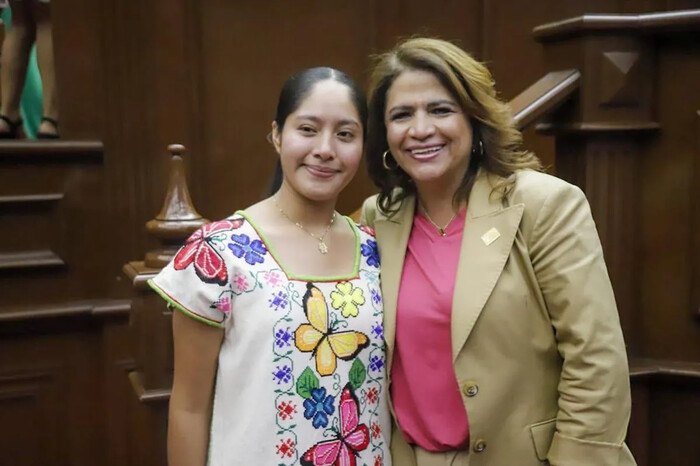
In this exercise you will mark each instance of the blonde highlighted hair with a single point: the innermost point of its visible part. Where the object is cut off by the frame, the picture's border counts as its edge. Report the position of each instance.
(472, 85)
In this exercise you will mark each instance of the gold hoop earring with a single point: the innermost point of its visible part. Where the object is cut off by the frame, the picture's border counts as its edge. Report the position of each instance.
(384, 162)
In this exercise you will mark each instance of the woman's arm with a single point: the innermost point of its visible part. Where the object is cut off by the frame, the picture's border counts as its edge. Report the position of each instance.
(196, 348)
(594, 391)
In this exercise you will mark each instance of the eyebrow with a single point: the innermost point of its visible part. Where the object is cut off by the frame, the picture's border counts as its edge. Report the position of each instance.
(316, 119)
(430, 104)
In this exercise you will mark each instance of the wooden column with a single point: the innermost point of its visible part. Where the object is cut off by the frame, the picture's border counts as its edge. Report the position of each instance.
(600, 136)
(151, 320)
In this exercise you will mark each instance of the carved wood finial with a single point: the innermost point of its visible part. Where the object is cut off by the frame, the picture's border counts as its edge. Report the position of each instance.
(178, 218)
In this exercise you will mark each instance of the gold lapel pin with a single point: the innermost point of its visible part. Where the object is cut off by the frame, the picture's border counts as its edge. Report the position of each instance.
(490, 236)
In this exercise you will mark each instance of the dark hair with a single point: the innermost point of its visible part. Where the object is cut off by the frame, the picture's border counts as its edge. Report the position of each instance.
(297, 87)
(496, 143)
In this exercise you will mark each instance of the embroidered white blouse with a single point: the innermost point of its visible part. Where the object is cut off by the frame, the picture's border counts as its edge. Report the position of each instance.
(301, 374)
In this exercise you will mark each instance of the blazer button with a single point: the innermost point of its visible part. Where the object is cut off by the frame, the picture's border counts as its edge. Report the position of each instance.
(470, 389)
(479, 446)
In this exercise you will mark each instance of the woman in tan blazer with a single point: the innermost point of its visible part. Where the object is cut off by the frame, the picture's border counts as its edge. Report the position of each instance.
(535, 363)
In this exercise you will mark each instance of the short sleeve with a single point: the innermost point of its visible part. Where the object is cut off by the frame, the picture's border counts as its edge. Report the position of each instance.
(197, 280)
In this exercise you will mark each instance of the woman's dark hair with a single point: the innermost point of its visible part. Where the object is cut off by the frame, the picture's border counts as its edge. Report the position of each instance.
(297, 87)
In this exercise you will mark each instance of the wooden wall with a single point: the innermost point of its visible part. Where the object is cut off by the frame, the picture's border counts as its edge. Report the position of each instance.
(136, 76)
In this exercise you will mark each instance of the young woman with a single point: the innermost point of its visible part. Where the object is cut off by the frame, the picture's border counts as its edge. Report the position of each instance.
(279, 349)
(503, 340)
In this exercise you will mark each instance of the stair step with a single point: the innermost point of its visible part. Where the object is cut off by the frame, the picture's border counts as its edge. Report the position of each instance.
(43, 258)
(30, 198)
(33, 151)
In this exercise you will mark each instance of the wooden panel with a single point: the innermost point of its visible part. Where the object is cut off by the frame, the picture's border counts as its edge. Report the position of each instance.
(47, 394)
(674, 414)
(668, 193)
(26, 402)
(695, 226)
(30, 260)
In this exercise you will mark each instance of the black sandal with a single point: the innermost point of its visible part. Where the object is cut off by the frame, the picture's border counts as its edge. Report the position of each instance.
(14, 128)
(45, 135)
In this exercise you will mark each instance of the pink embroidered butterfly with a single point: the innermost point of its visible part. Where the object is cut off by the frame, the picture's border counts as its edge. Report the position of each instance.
(352, 438)
(208, 263)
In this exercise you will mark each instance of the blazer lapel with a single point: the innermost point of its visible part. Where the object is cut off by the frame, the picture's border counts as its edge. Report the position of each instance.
(489, 232)
(392, 235)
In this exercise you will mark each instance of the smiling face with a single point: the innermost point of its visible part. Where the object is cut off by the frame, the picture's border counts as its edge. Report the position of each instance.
(427, 131)
(320, 145)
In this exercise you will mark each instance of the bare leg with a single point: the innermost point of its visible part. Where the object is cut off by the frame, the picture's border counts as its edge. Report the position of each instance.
(44, 53)
(15, 56)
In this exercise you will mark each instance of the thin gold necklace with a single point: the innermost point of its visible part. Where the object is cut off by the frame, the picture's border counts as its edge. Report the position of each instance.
(322, 246)
(440, 229)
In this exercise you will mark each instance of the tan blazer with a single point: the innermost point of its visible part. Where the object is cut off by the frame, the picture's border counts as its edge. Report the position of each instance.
(536, 339)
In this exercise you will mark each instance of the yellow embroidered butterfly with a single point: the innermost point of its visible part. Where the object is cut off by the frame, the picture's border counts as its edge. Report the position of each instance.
(316, 336)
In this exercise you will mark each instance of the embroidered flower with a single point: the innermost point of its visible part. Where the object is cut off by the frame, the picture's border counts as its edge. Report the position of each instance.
(376, 296)
(370, 251)
(378, 461)
(241, 282)
(283, 338)
(279, 301)
(368, 229)
(251, 251)
(319, 407)
(378, 330)
(376, 430)
(272, 279)
(286, 448)
(347, 299)
(283, 374)
(372, 395)
(376, 363)
(286, 410)
(223, 304)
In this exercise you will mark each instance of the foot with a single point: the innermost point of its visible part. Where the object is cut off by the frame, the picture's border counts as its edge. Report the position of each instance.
(10, 129)
(48, 129)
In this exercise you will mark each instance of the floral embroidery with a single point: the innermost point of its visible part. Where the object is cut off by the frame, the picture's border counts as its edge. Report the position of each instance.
(376, 363)
(286, 448)
(272, 278)
(378, 330)
(347, 299)
(372, 395)
(376, 296)
(319, 407)
(223, 304)
(378, 461)
(368, 229)
(251, 251)
(286, 410)
(376, 430)
(279, 301)
(283, 338)
(370, 251)
(282, 375)
(241, 282)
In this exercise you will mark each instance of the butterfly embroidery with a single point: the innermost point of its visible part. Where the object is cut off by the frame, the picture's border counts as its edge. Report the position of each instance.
(324, 342)
(352, 438)
(208, 263)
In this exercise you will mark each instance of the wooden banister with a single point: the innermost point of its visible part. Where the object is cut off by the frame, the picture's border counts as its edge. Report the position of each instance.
(543, 96)
(662, 22)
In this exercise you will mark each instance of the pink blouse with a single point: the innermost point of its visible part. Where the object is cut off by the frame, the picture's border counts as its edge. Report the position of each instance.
(424, 388)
